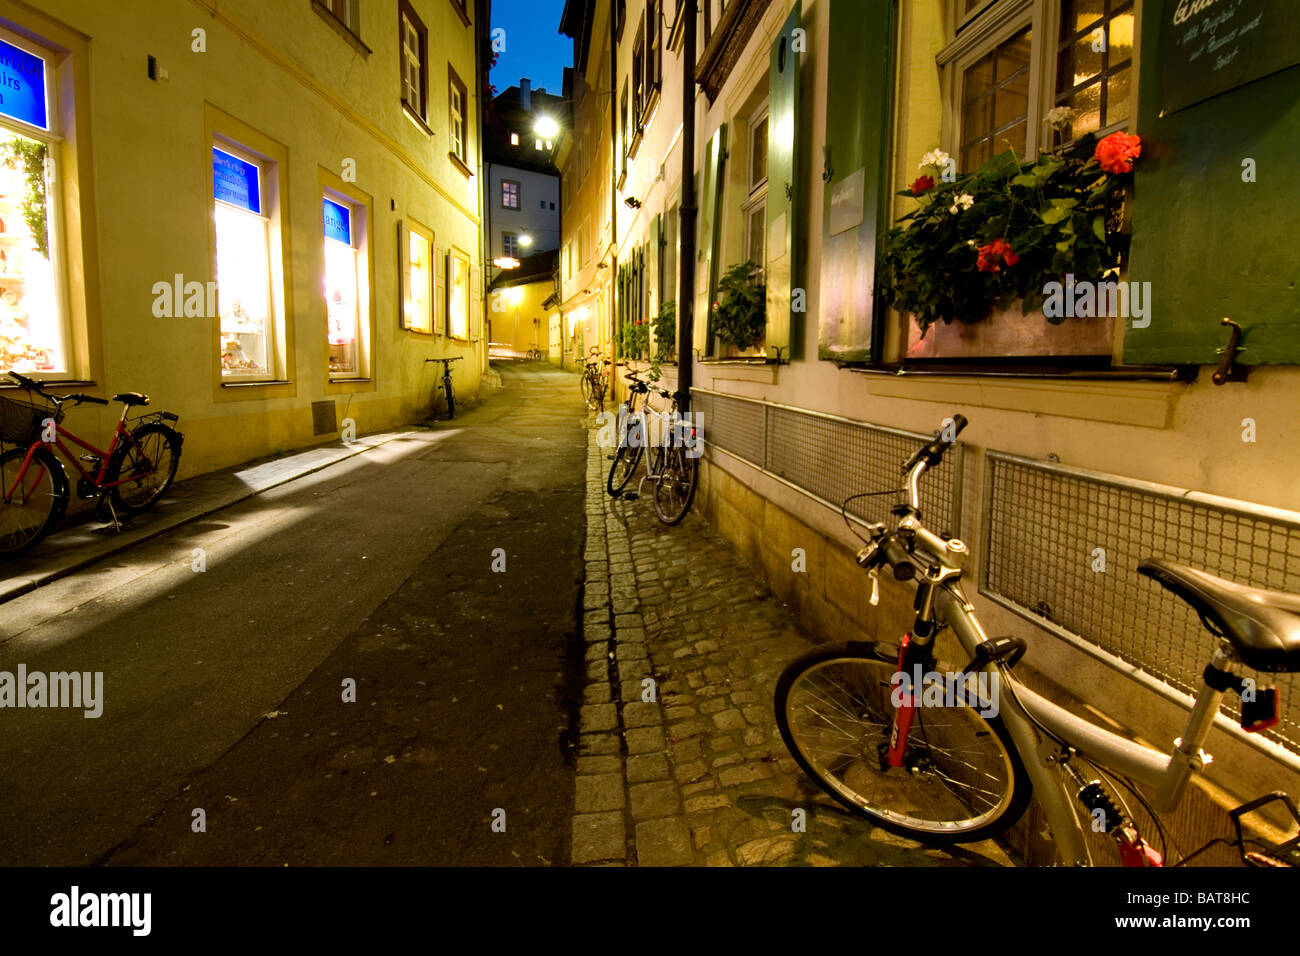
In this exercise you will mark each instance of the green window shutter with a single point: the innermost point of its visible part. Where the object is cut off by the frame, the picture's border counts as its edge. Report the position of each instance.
(654, 268)
(856, 197)
(706, 276)
(782, 183)
(1208, 241)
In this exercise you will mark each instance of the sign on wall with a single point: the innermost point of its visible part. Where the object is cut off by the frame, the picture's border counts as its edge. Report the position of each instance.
(1208, 47)
(235, 181)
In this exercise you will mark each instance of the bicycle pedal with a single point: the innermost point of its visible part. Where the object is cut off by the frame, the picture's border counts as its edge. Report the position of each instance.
(629, 496)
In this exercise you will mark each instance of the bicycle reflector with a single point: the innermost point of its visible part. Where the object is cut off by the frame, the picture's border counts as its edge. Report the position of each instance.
(1262, 712)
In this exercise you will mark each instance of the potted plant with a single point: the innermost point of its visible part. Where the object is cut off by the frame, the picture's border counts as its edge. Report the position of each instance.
(996, 239)
(739, 314)
(634, 338)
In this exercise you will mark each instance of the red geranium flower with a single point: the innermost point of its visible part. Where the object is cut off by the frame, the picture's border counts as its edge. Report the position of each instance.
(1117, 151)
(921, 184)
(995, 255)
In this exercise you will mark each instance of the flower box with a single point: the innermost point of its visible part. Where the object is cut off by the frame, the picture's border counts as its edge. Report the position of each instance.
(1011, 333)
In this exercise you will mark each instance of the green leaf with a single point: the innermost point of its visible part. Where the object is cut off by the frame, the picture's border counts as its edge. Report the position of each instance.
(1099, 227)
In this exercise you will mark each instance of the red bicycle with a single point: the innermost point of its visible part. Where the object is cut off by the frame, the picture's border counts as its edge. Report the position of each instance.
(136, 470)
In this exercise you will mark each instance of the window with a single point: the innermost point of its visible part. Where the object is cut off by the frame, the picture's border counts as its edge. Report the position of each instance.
(509, 194)
(457, 294)
(510, 245)
(755, 205)
(1013, 60)
(249, 318)
(417, 298)
(624, 140)
(514, 139)
(457, 110)
(653, 50)
(461, 10)
(346, 12)
(638, 72)
(413, 40)
(344, 284)
(1094, 63)
(33, 314)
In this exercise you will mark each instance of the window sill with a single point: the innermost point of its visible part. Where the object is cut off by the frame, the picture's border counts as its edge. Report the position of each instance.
(1180, 373)
(257, 383)
(648, 114)
(460, 164)
(339, 27)
(47, 383)
(416, 118)
(351, 380)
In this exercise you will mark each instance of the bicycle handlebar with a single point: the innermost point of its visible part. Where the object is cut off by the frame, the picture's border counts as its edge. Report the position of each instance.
(894, 546)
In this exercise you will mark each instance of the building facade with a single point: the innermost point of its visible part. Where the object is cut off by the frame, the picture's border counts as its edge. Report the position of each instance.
(265, 216)
(817, 124)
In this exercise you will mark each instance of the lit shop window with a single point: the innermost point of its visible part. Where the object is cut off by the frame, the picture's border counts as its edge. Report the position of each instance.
(342, 299)
(418, 309)
(33, 332)
(243, 268)
(458, 295)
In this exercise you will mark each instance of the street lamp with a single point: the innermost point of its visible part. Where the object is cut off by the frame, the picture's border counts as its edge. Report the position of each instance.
(525, 240)
(546, 127)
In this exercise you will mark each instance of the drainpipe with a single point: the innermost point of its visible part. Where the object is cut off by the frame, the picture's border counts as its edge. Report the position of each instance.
(686, 218)
(613, 179)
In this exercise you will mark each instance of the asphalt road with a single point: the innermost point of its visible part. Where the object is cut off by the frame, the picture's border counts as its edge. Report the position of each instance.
(225, 690)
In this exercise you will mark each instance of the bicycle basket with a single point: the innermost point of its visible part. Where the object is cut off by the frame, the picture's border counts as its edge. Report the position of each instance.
(21, 422)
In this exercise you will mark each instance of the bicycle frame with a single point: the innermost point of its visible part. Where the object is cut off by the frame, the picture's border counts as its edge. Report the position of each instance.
(1024, 712)
(120, 433)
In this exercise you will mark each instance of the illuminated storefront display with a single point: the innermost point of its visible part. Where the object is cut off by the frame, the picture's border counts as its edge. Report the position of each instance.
(243, 267)
(32, 325)
(418, 315)
(341, 298)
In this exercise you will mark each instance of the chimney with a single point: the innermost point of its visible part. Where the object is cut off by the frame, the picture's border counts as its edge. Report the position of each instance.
(526, 95)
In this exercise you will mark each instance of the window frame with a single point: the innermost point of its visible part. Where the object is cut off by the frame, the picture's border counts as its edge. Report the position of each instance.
(58, 244)
(509, 242)
(462, 10)
(518, 194)
(362, 209)
(457, 86)
(406, 13)
(349, 26)
(456, 255)
(406, 229)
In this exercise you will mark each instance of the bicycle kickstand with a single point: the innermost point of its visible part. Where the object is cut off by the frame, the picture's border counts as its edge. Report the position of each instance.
(106, 504)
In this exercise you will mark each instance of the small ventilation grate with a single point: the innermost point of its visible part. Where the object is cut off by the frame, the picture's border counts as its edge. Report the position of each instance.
(324, 419)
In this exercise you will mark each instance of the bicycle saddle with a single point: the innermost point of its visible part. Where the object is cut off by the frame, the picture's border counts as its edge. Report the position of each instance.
(131, 398)
(1262, 626)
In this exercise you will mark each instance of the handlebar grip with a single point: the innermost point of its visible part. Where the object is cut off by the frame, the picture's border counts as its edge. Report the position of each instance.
(896, 555)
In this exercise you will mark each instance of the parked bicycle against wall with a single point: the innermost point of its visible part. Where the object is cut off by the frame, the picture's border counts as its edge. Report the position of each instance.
(594, 383)
(673, 468)
(135, 470)
(865, 721)
(447, 389)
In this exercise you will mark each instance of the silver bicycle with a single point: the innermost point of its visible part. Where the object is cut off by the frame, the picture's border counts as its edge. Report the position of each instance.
(950, 756)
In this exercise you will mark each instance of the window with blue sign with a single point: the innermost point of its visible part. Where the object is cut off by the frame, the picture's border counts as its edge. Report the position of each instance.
(243, 266)
(342, 287)
(33, 327)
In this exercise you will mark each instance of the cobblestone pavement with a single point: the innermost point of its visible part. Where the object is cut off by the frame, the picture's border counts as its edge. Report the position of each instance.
(699, 776)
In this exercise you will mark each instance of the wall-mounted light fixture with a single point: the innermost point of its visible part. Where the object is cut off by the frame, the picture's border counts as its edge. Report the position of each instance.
(632, 202)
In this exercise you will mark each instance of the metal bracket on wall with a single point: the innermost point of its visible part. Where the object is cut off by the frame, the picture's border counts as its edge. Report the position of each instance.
(827, 169)
(1228, 370)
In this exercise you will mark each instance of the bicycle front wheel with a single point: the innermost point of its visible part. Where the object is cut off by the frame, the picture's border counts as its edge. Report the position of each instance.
(679, 474)
(589, 392)
(145, 465)
(620, 473)
(31, 501)
(451, 399)
(961, 779)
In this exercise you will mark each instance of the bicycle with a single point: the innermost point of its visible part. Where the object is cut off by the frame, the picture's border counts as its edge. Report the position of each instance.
(593, 383)
(631, 437)
(446, 385)
(858, 718)
(132, 474)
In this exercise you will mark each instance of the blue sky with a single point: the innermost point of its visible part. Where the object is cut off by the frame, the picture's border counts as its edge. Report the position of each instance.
(535, 48)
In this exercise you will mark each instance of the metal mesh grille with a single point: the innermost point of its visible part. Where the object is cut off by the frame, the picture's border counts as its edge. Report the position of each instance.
(829, 458)
(1044, 524)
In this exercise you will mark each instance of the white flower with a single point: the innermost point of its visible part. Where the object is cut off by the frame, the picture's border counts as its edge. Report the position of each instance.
(936, 158)
(1060, 117)
(964, 201)
(971, 243)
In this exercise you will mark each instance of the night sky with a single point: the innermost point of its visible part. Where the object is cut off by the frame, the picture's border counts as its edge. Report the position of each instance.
(535, 48)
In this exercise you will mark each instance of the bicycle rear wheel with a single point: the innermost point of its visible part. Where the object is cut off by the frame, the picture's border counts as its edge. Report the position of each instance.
(29, 506)
(589, 392)
(146, 466)
(679, 474)
(961, 780)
